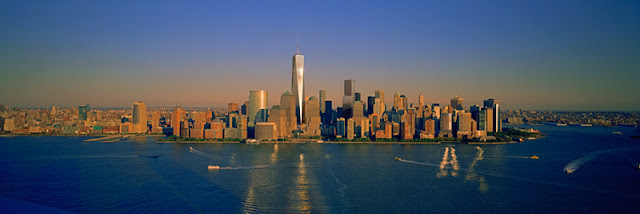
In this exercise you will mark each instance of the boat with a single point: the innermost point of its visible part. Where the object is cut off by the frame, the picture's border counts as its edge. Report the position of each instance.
(616, 132)
(568, 171)
(210, 167)
(153, 156)
(534, 157)
(398, 159)
(585, 124)
(191, 149)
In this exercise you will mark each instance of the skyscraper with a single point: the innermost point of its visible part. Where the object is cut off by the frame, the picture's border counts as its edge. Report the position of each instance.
(493, 118)
(139, 111)
(323, 98)
(288, 103)
(456, 103)
(349, 98)
(297, 81)
(312, 115)
(83, 112)
(232, 107)
(257, 100)
(371, 101)
(176, 118)
(380, 95)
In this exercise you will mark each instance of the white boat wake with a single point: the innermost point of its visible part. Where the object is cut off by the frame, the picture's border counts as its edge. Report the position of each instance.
(575, 164)
(341, 189)
(419, 163)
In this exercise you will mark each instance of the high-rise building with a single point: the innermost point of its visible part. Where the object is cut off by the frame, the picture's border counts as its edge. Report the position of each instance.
(266, 131)
(288, 103)
(358, 96)
(312, 119)
(456, 103)
(341, 127)
(396, 101)
(351, 128)
(155, 122)
(83, 112)
(232, 107)
(371, 101)
(446, 123)
(378, 108)
(139, 111)
(380, 95)
(176, 119)
(358, 109)
(496, 122)
(297, 82)
(323, 98)
(349, 98)
(489, 119)
(435, 108)
(243, 109)
(327, 117)
(257, 100)
(464, 125)
(279, 117)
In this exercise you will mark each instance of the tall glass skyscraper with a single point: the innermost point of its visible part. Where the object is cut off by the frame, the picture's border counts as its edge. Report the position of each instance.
(297, 82)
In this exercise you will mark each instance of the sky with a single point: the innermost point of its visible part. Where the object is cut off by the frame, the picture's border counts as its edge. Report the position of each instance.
(540, 55)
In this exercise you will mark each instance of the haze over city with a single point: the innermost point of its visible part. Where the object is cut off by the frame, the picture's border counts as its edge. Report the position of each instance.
(570, 55)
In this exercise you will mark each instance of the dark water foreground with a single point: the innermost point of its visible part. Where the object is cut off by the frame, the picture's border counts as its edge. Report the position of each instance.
(66, 173)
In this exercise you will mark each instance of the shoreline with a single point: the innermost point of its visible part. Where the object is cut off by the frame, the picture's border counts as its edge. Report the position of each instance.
(339, 142)
(106, 138)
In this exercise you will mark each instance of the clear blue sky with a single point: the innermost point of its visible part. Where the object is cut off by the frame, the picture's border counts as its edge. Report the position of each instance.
(558, 55)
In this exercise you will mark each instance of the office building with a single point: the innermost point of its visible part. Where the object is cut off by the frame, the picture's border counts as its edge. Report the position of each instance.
(323, 99)
(288, 103)
(456, 103)
(349, 98)
(266, 131)
(83, 112)
(312, 120)
(341, 127)
(232, 107)
(297, 83)
(176, 119)
(464, 125)
(279, 117)
(139, 112)
(380, 95)
(257, 100)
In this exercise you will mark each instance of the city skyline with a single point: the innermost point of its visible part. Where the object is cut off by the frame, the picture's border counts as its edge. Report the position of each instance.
(535, 56)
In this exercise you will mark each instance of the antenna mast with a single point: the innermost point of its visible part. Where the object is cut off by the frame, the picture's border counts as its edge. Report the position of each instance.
(298, 43)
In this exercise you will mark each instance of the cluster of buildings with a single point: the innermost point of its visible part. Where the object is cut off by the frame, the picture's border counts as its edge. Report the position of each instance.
(573, 118)
(296, 115)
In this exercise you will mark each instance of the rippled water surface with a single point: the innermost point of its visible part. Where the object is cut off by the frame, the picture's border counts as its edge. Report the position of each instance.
(91, 177)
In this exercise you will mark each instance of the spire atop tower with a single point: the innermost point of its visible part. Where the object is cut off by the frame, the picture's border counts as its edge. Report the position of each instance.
(298, 43)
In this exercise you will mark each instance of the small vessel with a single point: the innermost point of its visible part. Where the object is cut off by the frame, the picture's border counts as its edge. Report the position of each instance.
(398, 159)
(586, 124)
(210, 167)
(191, 148)
(534, 157)
(153, 156)
(568, 171)
(616, 132)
